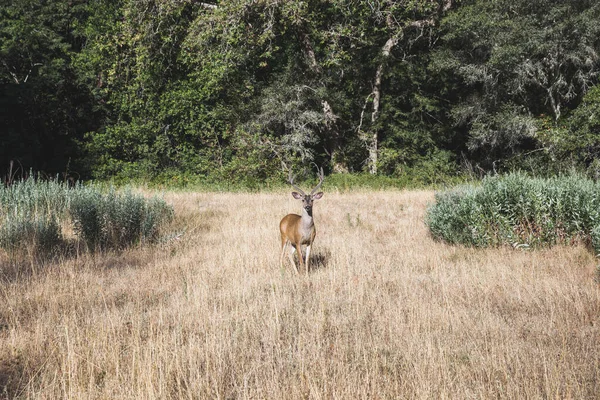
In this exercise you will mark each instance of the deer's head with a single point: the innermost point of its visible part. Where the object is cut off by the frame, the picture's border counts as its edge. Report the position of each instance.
(308, 199)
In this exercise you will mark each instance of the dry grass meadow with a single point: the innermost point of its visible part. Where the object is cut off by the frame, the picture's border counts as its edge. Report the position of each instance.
(385, 312)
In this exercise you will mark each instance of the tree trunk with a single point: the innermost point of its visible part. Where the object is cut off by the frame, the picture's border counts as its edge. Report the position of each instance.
(373, 138)
(309, 52)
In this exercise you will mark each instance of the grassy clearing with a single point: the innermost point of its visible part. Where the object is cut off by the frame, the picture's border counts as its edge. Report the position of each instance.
(387, 312)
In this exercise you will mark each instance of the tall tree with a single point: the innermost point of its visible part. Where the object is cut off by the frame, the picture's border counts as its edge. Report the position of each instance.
(403, 22)
(516, 61)
(44, 109)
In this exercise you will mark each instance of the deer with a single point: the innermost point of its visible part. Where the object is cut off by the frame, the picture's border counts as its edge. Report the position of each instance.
(298, 230)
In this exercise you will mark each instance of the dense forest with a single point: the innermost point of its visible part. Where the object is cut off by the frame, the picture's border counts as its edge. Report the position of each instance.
(248, 89)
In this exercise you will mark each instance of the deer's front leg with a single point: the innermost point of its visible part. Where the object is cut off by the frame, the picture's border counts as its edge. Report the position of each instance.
(291, 256)
(300, 260)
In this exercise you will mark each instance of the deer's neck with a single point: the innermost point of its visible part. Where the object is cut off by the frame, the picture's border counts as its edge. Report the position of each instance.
(307, 219)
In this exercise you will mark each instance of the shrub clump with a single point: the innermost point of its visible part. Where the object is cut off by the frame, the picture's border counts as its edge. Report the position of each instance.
(24, 232)
(30, 215)
(116, 220)
(519, 210)
(34, 212)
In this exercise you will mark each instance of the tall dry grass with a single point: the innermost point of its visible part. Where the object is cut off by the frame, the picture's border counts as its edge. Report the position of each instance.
(386, 312)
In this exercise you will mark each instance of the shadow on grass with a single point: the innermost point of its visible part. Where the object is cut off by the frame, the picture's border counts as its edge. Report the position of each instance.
(13, 376)
(21, 265)
(319, 260)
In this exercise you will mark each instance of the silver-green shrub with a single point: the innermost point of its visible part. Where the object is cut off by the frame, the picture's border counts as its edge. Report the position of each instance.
(30, 215)
(23, 231)
(519, 210)
(35, 197)
(33, 212)
(116, 219)
(595, 237)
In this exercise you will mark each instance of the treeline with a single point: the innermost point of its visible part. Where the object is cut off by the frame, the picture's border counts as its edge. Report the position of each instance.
(246, 89)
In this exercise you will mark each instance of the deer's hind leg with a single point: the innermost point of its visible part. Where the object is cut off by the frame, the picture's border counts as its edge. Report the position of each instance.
(284, 243)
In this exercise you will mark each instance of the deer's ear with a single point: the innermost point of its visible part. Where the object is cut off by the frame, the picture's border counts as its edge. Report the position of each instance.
(297, 195)
(317, 196)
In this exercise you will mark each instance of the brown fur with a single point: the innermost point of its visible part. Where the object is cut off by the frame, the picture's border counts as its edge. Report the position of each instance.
(292, 232)
(299, 230)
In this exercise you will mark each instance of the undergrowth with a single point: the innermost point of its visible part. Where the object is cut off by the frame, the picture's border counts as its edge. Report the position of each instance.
(342, 182)
(519, 210)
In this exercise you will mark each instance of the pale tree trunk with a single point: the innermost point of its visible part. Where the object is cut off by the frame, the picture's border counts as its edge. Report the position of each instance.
(371, 139)
(309, 52)
(554, 104)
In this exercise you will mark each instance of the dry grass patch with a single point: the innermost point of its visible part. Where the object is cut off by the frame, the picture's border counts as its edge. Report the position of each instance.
(386, 312)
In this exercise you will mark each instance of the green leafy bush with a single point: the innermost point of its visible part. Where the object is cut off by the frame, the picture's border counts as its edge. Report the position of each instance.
(519, 210)
(30, 213)
(595, 237)
(34, 196)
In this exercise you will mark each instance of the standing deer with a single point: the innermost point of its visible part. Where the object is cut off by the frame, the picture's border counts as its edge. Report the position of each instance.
(300, 230)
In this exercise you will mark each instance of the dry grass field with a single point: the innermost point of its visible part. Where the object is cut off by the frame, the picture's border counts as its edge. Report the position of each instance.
(385, 312)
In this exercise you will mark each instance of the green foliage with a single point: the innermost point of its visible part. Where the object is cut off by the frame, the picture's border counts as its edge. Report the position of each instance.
(34, 196)
(44, 108)
(349, 182)
(23, 232)
(583, 126)
(518, 210)
(33, 213)
(516, 60)
(573, 143)
(29, 215)
(407, 179)
(595, 238)
(289, 121)
(244, 90)
(241, 91)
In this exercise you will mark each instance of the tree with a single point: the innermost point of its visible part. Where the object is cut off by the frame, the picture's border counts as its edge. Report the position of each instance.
(203, 87)
(44, 108)
(516, 61)
(141, 83)
(396, 19)
(338, 50)
(577, 138)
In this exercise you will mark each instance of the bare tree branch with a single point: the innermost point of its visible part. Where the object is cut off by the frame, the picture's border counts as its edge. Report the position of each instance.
(208, 5)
